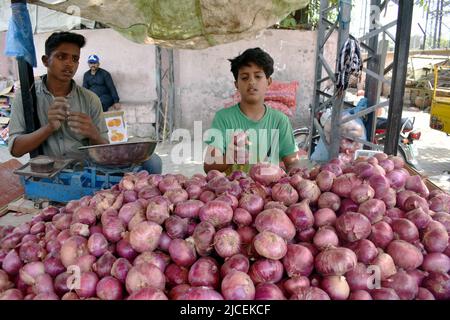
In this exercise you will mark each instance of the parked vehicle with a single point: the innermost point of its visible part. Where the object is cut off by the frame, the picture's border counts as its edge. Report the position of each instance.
(406, 146)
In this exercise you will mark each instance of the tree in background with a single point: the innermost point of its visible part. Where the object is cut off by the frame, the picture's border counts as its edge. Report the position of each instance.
(307, 18)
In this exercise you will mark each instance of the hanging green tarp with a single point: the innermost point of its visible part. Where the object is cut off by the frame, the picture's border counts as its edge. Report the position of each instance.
(189, 24)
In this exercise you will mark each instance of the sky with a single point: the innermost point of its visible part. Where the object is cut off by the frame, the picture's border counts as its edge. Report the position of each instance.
(419, 16)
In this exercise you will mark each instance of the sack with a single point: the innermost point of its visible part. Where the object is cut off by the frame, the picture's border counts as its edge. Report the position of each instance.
(284, 92)
(280, 107)
(280, 95)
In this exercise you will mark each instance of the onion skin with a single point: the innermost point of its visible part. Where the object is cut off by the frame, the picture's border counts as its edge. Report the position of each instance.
(365, 250)
(144, 275)
(204, 272)
(88, 284)
(204, 238)
(148, 294)
(266, 173)
(329, 200)
(324, 217)
(120, 269)
(145, 237)
(362, 193)
(443, 218)
(270, 245)
(439, 285)
(360, 295)
(266, 271)
(201, 293)
(325, 180)
(182, 252)
(109, 288)
(358, 278)
(382, 234)
(405, 255)
(435, 237)
(419, 218)
(424, 294)
(436, 262)
(252, 203)
(384, 294)
(176, 275)
(386, 265)
(301, 215)
(293, 284)
(373, 209)
(268, 291)
(335, 261)
(310, 293)
(325, 237)
(238, 286)
(242, 217)
(238, 262)
(344, 184)
(276, 221)
(404, 285)
(353, 226)
(227, 242)
(284, 193)
(336, 287)
(12, 263)
(218, 213)
(405, 230)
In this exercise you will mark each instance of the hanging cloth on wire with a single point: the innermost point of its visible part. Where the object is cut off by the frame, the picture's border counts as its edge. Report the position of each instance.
(19, 39)
(350, 63)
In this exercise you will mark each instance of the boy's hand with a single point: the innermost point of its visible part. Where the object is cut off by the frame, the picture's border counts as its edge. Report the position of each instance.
(237, 150)
(82, 124)
(57, 112)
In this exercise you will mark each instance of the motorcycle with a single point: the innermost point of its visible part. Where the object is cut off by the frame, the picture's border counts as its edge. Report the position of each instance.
(406, 148)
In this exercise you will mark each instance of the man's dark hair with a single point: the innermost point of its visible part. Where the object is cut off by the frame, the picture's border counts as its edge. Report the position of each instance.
(63, 37)
(254, 55)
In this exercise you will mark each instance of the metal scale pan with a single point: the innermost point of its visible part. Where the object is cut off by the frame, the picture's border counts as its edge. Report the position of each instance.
(59, 165)
(124, 154)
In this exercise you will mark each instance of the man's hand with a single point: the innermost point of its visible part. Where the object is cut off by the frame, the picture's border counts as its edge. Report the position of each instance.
(116, 106)
(57, 113)
(82, 124)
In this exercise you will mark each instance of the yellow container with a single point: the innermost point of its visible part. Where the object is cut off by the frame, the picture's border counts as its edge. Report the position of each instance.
(440, 105)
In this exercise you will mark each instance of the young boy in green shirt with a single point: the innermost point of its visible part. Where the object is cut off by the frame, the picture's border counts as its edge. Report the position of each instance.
(250, 132)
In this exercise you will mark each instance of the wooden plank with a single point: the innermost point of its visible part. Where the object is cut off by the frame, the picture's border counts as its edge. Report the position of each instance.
(429, 184)
(23, 206)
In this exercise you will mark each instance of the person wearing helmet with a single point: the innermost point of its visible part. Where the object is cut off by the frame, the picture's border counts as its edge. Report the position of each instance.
(101, 83)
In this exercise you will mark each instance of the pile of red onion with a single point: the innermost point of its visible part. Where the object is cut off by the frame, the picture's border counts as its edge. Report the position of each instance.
(356, 230)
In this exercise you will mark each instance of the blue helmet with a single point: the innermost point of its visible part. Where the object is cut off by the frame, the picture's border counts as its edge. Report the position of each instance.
(93, 58)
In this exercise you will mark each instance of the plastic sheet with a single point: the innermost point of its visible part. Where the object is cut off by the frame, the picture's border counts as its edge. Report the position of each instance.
(19, 39)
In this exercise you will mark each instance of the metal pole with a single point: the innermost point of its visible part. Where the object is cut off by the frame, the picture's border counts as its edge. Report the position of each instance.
(158, 91)
(320, 48)
(335, 134)
(28, 92)
(405, 13)
(171, 88)
(372, 84)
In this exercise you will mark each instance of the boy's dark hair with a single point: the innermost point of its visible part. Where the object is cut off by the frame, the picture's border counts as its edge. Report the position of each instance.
(253, 55)
(63, 37)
